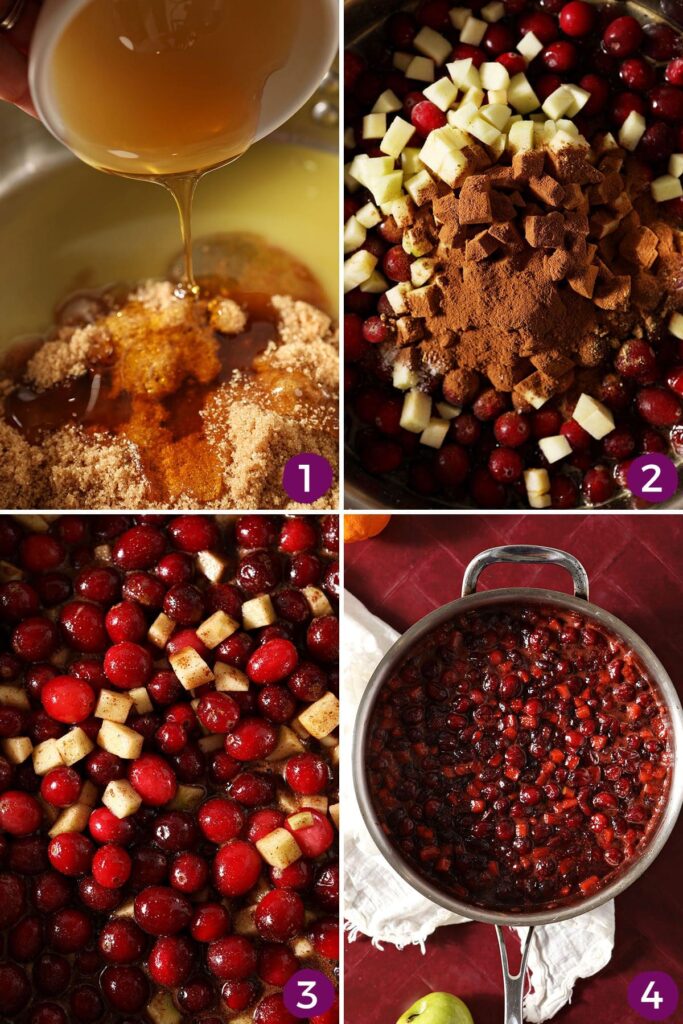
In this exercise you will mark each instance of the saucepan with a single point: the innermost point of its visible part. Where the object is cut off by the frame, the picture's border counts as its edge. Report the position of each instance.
(529, 597)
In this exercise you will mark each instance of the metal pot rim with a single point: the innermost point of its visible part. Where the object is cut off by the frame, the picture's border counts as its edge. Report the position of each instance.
(658, 674)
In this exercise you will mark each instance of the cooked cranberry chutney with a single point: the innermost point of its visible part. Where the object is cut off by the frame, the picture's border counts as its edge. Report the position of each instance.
(519, 757)
(514, 253)
(168, 761)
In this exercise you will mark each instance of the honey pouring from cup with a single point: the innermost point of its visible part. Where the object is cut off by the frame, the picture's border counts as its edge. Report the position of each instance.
(167, 90)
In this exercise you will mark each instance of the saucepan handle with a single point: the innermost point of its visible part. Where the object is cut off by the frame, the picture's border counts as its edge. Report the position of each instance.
(513, 983)
(526, 553)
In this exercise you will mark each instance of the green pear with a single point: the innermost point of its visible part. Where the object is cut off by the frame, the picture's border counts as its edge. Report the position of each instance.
(437, 1008)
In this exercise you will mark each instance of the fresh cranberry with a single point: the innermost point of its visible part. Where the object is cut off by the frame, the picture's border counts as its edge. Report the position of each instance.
(599, 93)
(513, 63)
(70, 853)
(82, 625)
(666, 102)
(674, 71)
(51, 891)
(279, 915)
(12, 897)
(170, 961)
(322, 638)
(355, 345)
(298, 875)
(101, 585)
(61, 786)
(238, 994)
(69, 930)
(259, 572)
(637, 74)
(211, 921)
(127, 665)
(139, 548)
(218, 712)
(272, 662)
(194, 533)
(236, 868)
(104, 767)
(252, 739)
(184, 604)
(307, 774)
(263, 822)
(543, 26)
(312, 830)
(325, 938)
(658, 407)
(34, 639)
(67, 699)
(95, 897)
(160, 910)
(51, 974)
(54, 588)
(579, 439)
(620, 444)
(20, 813)
(434, 14)
(220, 820)
(126, 621)
(623, 36)
(675, 380)
(125, 987)
(195, 995)
(426, 117)
(105, 827)
(144, 589)
(577, 18)
(86, 1004)
(272, 1010)
(598, 485)
(15, 987)
(375, 330)
(111, 866)
(326, 887)
(489, 405)
(512, 430)
(559, 56)
(298, 534)
(175, 569)
(626, 103)
(153, 778)
(232, 958)
(189, 873)
(40, 552)
(25, 940)
(396, 264)
(18, 600)
(505, 465)
(497, 39)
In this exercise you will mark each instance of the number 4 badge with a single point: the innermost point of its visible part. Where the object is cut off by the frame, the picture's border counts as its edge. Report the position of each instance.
(653, 995)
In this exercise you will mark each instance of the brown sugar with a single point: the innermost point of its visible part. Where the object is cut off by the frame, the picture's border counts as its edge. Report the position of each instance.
(69, 357)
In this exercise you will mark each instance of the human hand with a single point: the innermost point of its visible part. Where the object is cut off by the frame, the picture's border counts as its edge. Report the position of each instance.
(14, 47)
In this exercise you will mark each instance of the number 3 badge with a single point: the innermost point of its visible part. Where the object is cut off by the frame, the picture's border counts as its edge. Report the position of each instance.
(308, 994)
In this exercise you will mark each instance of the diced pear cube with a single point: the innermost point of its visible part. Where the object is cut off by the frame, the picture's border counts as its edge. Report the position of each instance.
(411, 164)
(357, 269)
(464, 74)
(317, 602)
(141, 699)
(190, 668)
(89, 794)
(120, 740)
(558, 103)
(387, 103)
(442, 93)
(421, 271)
(539, 500)
(555, 447)
(396, 297)
(497, 114)
(459, 16)
(230, 679)
(521, 96)
(493, 11)
(453, 169)
(245, 924)
(315, 803)
(162, 1009)
(416, 413)
(675, 325)
(414, 244)
(473, 95)
(257, 612)
(369, 216)
(403, 377)
(126, 909)
(536, 481)
(595, 418)
(209, 744)
(354, 235)
(46, 756)
(322, 717)
(187, 798)
(473, 31)
(217, 628)
(529, 46)
(72, 819)
(334, 814)
(113, 705)
(161, 630)
(397, 137)
(632, 130)
(446, 411)
(14, 697)
(376, 284)
(482, 130)
(498, 96)
(288, 743)
(402, 61)
(121, 799)
(212, 565)
(387, 188)
(302, 949)
(434, 433)
(581, 98)
(494, 75)
(432, 44)
(16, 749)
(75, 745)
(676, 165)
(401, 210)
(417, 186)
(421, 69)
(374, 126)
(521, 136)
(462, 117)
(666, 187)
(9, 572)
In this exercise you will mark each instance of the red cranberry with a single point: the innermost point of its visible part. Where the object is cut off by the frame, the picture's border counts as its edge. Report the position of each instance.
(232, 958)
(298, 875)
(513, 63)
(263, 822)
(505, 465)
(86, 1004)
(61, 786)
(12, 898)
(488, 406)
(623, 36)
(579, 439)
(626, 103)
(51, 974)
(637, 74)
(512, 430)
(258, 573)
(18, 600)
(105, 827)
(20, 813)
(487, 492)
(272, 662)
(175, 569)
(126, 621)
(251, 740)
(312, 831)
(15, 988)
(666, 102)
(160, 910)
(67, 699)
(497, 39)
(426, 117)
(327, 887)
(255, 531)
(658, 407)
(322, 639)
(599, 93)
(70, 853)
(674, 71)
(194, 533)
(40, 552)
(189, 873)
(220, 820)
(195, 995)
(144, 589)
(218, 712)
(164, 688)
(560, 56)
(543, 26)
(236, 868)
(139, 548)
(238, 994)
(25, 940)
(170, 961)
(184, 604)
(104, 767)
(396, 264)
(298, 534)
(598, 485)
(272, 1010)
(434, 14)
(96, 897)
(375, 330)
(325, 936)
(211, 921)
(34, 639)
(51, 891)
(153, 778)
(83, 626)
(127, 665)
(563, 492)
(307, 774)
(637, 360)
(69, 930)
(101, 585)
(308, 682)
(577, 18)
(111, 866)
(125, 987)
(279, 915)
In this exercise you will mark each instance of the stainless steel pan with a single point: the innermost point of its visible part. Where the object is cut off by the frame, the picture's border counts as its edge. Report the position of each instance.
(470, 599)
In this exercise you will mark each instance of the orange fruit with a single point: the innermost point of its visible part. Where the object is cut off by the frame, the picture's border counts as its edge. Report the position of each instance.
(360, 527)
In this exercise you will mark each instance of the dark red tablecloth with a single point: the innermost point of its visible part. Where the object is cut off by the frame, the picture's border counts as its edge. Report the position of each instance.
(635, 564)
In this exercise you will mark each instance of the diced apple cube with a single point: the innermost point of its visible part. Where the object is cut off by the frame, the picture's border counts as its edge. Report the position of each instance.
(555, 447)
(230, 679)
(666, 187)
(322, 717)
(46, 756)
(403, 377)
(75, 745)
(217, 628)
(244, 923)
(494, 75)
(187, 798)
(301, 819)
(536, 481)
(432, 44)
(334, 814)
(33, 523)
(16, 749)
(374, 126)
(446, 411)
(212, 565)
(521, 136)
(120, 740)
(162, 1009)
(453, 168)
(397, 137)
(473, 95)
(401, 61)
(539, 500)
(411, 164)
(190, 668)
(396, 297)
(14, 697)
(482, 130)
(376, 284)
(497, 114)
(434, 433)
(414, 244)
(354, 234)
(9, 572)
(386, 188)
(563, 124)
(356, 270)
(161, 630)
(288, 743)
(529, 46)
(493, 11)
(632, 130)
(419, 186)
(387, 103)
(72, 819)
(421, 271)
(314, 803)
(459, 16)
(498, 96)
(462, 117)
(369, 216)
(676, 165)
(126, 909)
(141, 699)
(520, 94)
(416, 413)
(121, 799)
(464, 74)
(89, 794)
(302, 949)
(113, 706)
(209, 744)
(675, 325)
(473, 31)
(258, 612)
(595, 418)
(580, 99)
(421, 69)
(442, 93)
(558, 103)
(317, 602)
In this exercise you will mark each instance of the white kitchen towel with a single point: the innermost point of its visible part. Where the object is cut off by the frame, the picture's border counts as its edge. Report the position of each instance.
(381, 905)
